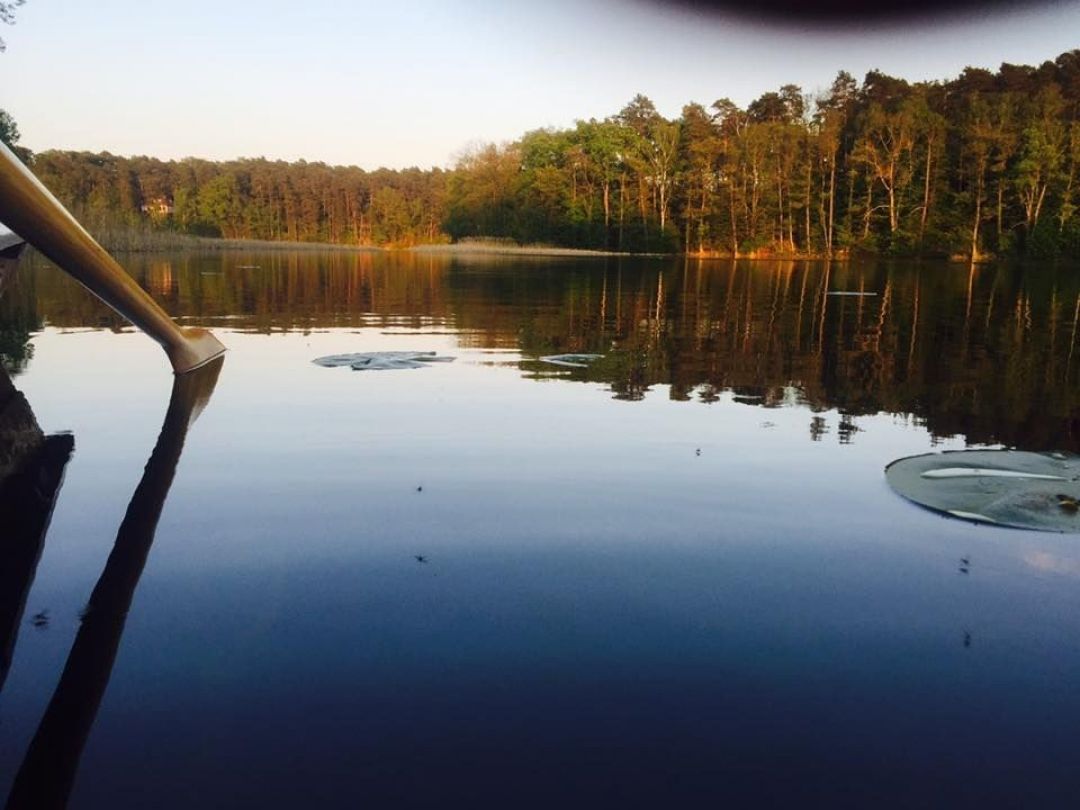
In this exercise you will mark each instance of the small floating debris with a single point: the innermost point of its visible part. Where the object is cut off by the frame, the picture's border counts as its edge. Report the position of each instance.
(381, 361)
(571, 360)
(40, 620)
(854, 293)
(748, 399)
(1013, 488)
(248, 267)
(420, 558)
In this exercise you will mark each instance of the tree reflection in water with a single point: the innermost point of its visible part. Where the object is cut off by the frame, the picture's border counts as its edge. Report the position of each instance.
(48, 771)
(31, 472)
(985, 352)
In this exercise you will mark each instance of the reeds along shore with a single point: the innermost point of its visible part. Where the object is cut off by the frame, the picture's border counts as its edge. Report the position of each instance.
(130, 239)
(148, 239)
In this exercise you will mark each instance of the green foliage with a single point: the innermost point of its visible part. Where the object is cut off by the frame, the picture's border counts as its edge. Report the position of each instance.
(250, 198)
(9, 130)
(18, 319)
(985, 164)
(9, 136)
(1044, 241)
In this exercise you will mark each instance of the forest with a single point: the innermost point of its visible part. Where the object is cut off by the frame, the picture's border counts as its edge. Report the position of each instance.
(984, 165)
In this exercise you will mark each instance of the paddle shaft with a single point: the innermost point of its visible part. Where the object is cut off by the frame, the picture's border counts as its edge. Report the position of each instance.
(30, 209)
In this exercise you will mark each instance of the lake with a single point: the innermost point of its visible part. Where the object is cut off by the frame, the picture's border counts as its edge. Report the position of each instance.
(674, 576)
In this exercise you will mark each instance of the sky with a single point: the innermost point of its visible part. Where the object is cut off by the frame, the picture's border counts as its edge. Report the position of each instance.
(418, 82)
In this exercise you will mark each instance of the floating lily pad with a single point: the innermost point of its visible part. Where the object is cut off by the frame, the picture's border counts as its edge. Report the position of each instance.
(1013, 488)
(380, 361)
(571, 360)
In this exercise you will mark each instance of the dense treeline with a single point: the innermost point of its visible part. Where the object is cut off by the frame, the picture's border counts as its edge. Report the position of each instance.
(251, 198)
(985, 164)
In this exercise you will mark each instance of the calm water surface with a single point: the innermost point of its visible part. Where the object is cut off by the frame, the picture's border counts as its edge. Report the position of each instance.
(670, 579)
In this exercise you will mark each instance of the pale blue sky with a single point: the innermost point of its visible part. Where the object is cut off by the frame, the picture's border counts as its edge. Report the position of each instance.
(414, 82)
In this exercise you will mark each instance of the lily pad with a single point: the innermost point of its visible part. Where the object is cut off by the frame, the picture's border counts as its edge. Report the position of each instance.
(380, 361)
(1014, 488)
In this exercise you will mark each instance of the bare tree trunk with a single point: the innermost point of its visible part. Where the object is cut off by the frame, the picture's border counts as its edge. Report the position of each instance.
(975, 226)
(850, 203)
(893, 218)
(701, 219)
(780, 207)
(869, 206)
(622, 207)
(806, 208)
(755, 196)
(832, 206)
(734, 223)
(1039, 205)
(926, 192)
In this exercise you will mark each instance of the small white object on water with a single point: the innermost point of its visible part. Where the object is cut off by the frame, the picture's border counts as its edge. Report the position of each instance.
(971, 516)
(381, 361)
(571, 360)
(980, 472)
(855, 293)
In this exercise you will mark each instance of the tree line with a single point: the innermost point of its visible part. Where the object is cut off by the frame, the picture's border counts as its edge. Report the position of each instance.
(983, 165)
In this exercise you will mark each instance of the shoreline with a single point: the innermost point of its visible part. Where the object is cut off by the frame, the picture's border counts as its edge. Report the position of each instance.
(467, 248)
(165, 242)
(210, 243)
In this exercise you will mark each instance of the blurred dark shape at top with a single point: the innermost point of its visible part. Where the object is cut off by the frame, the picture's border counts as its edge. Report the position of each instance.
(848, 14)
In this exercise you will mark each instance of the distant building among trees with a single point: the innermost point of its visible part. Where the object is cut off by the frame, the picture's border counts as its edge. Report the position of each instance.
(158, 208)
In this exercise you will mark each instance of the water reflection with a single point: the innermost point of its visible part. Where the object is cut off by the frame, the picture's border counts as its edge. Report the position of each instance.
(48, 771)
(31, 472)
(607, 613)
(983, 352)
(17, 319)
